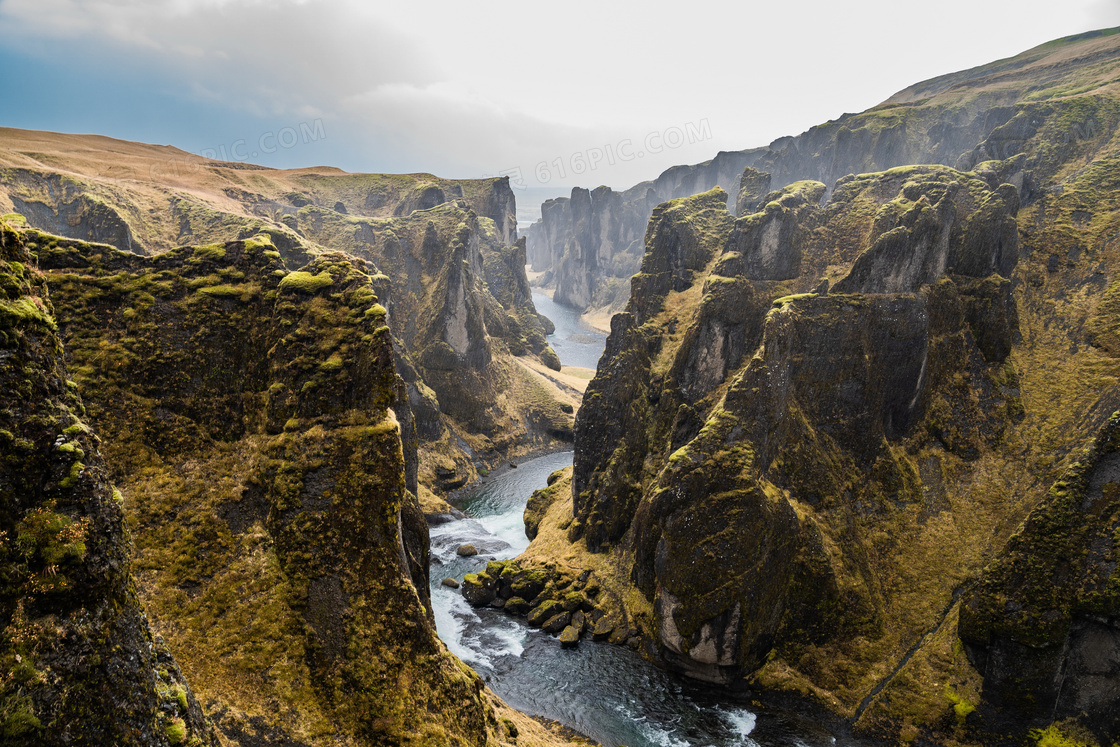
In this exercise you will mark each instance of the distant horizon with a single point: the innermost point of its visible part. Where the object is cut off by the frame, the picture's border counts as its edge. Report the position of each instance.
(573, 96)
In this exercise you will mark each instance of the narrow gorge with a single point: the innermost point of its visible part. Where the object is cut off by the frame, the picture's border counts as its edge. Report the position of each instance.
(303, 457)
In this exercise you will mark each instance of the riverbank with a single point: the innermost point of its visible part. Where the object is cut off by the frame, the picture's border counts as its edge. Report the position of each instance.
(608, 692)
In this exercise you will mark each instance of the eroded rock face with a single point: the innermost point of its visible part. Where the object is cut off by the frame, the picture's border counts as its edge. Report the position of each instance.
(266, 456)
(435, 244)
(754, 185)
(769, 242)
(1043, 622)
(459, 304)
(66, 210)
(745, 436)
(934, 226)
(81, 665)
(594, 239)
(685, 230)
(962, 120)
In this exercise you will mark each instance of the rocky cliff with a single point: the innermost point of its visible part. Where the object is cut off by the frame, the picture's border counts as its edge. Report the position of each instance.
(1043, 623)
(78, 662)
(262, 444)
(816, 424)
(591, 242)
(959, 120)
(440, 250)
(150, 199)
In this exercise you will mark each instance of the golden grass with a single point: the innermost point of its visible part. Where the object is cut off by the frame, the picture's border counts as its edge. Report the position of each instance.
(567, 385)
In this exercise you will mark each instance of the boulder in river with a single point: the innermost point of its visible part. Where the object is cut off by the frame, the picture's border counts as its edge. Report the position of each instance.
(543, 612)
(479, 589)
(569, 638)
(602, 629)
(579, 621)
(557, 623)
(466, 551)
(450, 583)
(572, 601)
(517, 606)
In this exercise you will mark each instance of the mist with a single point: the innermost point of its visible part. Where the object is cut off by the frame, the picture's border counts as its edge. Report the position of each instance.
(569, 94)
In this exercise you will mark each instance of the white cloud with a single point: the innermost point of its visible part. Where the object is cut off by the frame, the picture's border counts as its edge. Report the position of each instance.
(470, 88)
(278, 55)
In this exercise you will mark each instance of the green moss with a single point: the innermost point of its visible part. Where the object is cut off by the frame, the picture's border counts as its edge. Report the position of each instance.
(263, 243)
(242, 292)
(784, 300)
(305, 282)
(176, 731)
(961, 707)
(71, 478)
(25, 311)
(211, 252)
(179, 693)
(50, 539)
(1063, 735)
(18, 722)
(71, 448)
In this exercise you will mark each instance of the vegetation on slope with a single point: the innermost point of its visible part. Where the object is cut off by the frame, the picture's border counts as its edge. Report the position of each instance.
(78, 664)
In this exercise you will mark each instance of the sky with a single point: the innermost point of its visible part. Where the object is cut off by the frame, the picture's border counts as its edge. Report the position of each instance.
(553, 95)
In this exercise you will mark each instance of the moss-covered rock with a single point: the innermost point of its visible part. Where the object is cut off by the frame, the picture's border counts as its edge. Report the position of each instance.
(767, 457)
(754, 185)
(592, 242)
(1041, 623)
(280, 546)
(768, 243)
(446, 265)
(569, 637)
(480, 589)
(79, 661)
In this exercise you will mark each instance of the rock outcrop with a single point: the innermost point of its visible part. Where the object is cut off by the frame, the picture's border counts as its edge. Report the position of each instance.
(1043, 623)
(821, 435)
(79, 663)
(441, 252)
(590, 245)
(592, 242)
(776, 459)
(260, 437)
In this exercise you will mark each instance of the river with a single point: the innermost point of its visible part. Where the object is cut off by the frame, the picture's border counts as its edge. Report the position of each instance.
(575, 342)
(604, 691)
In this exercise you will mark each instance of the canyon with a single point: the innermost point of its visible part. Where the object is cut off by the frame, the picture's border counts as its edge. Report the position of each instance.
(850, 447)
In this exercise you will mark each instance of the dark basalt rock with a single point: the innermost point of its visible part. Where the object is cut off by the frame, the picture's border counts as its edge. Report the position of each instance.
(479, 589)
(557, 623)
(80, 662)
(206, 352)
(423, 232)
(517, 606)
(754, 185)
(596, 236)
(769, 242)
(1043, 622)
(712, 492)
(569, 637)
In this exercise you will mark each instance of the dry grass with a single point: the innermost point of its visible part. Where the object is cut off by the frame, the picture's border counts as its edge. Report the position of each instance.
(570, 382)
(548, 388)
